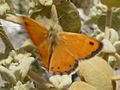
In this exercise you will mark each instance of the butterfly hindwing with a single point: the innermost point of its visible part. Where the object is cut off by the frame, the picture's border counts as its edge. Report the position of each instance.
(62, 61)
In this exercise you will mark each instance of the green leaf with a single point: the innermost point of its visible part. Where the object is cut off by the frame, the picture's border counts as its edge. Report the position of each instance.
(42, 11)
(115, 21)
(101, 22)
(111, 3)
(68, 17)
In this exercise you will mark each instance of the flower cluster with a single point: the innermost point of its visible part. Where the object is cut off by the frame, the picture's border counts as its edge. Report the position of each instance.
(16, 68)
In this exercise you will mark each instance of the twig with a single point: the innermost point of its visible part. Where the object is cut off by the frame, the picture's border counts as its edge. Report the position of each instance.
(41, 84)
(7, 43)
(109, 18)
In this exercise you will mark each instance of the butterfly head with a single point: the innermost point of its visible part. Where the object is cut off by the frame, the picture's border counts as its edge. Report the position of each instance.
(52, 35)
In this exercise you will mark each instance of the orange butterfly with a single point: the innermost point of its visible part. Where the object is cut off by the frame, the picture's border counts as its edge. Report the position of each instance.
(61, 51)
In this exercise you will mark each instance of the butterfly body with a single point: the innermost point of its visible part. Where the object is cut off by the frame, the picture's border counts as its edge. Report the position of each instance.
(60, 51)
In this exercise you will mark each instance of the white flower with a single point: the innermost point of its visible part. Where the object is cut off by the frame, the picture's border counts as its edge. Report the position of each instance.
(117, 46)
(60, 81)
(46, 2)
(20, 86)
(111, 58)
(8, 75)
(17, 64)
(19, 57)
(108, 47)
(12, 53)
(6, 61)
(3, 8)
(25, 66)
(100, 36)
(114, 35)
(14, 67)
(94, 11)
(24, 61)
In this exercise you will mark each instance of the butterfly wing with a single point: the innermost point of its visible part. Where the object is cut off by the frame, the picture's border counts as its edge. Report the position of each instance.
(39, 36)
(70, 48)
(62, 61)
(81, 46)
(37, 33)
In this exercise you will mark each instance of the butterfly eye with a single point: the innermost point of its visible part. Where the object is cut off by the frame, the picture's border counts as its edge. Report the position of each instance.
(91, 43)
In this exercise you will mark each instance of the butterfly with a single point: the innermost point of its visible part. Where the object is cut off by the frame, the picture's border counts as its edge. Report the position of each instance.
(60, 51)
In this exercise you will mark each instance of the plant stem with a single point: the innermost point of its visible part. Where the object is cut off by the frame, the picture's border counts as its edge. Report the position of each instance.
(105, 56)
(41, 84)
(109, 18)
(7, 43)
(107, 28)
(108, 22)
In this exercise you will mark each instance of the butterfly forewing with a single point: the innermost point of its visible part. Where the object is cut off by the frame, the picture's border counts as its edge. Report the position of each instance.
(39, 36)
(79, 45)
(36, 31)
